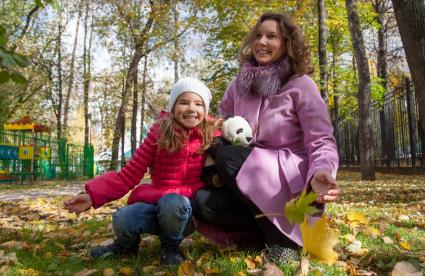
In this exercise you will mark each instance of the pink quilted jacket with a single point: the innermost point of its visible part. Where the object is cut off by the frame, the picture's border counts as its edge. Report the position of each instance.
(177, 172)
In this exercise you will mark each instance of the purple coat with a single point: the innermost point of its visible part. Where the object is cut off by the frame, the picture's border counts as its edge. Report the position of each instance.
(293, 138)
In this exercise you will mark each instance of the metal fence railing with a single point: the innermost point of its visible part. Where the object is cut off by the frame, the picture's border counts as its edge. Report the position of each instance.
(399, 139)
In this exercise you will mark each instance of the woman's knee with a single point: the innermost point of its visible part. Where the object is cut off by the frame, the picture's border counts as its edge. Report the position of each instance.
(231, 158)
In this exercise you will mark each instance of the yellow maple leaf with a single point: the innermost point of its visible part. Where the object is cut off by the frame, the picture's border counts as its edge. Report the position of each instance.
(186, 268)
(126, 270)
(404, 245)
(319, 240)
(356, 216)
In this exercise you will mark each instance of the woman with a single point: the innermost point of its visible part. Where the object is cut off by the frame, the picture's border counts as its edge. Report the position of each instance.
(293, 146)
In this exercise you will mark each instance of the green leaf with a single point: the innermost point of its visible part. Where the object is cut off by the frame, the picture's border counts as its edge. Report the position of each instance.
(4, 77)
(39, 3)
(297, 208)
(21, 60)
(18, 78)
(55, 4)
(6, 59)
(2, 30)
(3, 40)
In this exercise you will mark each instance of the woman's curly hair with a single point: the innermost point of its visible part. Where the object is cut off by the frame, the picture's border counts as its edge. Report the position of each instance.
(296, 47)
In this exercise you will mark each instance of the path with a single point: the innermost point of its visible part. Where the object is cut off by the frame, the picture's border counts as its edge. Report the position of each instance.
(14, 195)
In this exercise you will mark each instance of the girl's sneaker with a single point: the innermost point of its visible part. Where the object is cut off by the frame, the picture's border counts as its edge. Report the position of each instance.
(171, 255)
(113, 249)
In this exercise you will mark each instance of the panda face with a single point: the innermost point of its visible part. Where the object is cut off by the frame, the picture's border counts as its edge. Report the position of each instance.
(237, 131)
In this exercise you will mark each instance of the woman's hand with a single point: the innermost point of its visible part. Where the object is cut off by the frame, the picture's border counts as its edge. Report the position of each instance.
(78, 203)
(325, 187)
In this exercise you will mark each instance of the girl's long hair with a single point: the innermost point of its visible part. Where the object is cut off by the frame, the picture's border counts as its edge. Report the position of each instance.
(296, 47)
(172, 136)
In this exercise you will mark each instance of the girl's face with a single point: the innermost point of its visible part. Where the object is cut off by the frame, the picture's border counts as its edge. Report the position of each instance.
(189, 110)
(268, 45)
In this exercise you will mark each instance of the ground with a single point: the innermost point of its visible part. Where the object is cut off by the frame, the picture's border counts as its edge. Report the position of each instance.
(381, 229)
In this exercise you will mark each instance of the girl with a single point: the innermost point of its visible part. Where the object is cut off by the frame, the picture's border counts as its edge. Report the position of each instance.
(173, 150)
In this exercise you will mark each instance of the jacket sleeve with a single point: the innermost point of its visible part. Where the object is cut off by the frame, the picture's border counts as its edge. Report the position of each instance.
(114, 185)
(318, 131)
(226, 106)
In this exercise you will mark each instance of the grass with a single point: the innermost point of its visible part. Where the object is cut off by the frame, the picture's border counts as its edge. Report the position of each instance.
(49, 241)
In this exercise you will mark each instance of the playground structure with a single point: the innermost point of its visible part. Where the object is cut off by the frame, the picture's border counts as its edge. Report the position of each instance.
(28, 153)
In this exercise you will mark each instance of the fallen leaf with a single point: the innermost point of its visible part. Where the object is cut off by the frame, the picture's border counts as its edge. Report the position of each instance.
(250, 263)
(7, 259)
(357, 216)
(319, 240)
(370, 231)
(126, 270)
(28, 272)
(387, 240)
(405, 268)
(356, 248)
(349, 238)
(211, 270)
(255, 271)
(304, 267)
(149, 269)
(186, 269)
(108, 272)
(403, 218)
(404, 245)
(271, 269)
(85, 272)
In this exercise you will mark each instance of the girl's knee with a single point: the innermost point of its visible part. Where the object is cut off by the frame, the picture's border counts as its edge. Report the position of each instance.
(173, 201)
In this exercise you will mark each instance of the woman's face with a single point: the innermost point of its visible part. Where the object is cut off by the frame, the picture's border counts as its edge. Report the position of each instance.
(268, 45)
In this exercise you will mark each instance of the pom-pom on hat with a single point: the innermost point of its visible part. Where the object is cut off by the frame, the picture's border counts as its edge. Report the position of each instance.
(193, 85)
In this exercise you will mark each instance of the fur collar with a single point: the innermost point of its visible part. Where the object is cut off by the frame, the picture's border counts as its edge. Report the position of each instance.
(263, 80)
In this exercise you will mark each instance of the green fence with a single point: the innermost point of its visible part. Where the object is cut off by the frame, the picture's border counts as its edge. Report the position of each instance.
(27, 156)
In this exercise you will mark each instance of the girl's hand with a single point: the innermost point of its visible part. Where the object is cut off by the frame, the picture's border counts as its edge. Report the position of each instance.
(325, 187)
(78, 203)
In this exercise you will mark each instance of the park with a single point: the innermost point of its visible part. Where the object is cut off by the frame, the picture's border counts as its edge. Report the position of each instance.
(83, 83)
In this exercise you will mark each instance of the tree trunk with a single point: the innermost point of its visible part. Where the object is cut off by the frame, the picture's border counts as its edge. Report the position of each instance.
(411, 25)
(86, 77)
(142, 111)
(120, 121)
(382, 74)
(134, 115)
(71, 75)
(367, 157)
(176, 41)
(59, 65)
(322, 50)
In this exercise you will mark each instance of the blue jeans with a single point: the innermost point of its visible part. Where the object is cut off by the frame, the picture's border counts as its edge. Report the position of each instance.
(167, 219)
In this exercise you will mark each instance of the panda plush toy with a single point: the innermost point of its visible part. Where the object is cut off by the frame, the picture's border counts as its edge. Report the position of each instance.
(235, 131)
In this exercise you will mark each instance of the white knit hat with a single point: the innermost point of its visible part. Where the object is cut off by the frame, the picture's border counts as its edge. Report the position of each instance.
(189, 85)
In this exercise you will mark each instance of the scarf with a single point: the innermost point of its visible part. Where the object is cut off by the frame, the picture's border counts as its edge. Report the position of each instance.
(264, 80)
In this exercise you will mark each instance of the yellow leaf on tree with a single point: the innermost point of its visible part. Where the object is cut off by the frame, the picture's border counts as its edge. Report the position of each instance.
(186, 268)
(126, 270)
(356, 216)
(319, 240)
